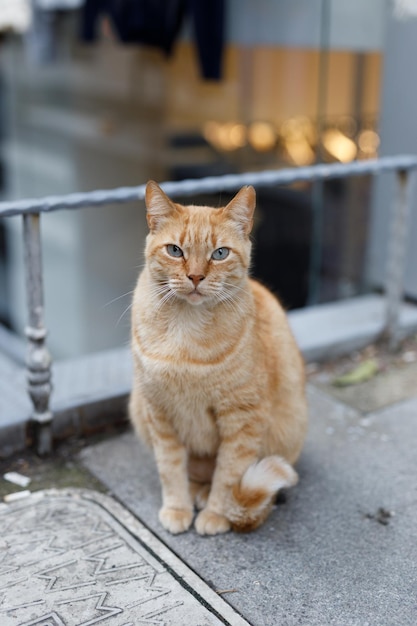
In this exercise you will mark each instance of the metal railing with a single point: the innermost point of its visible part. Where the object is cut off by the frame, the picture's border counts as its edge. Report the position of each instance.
(38, 357)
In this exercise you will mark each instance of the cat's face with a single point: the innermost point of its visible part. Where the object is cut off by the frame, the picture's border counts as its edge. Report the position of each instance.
(198, 254)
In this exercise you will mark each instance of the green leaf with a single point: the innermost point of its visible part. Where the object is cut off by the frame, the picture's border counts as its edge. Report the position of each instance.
(359, 374)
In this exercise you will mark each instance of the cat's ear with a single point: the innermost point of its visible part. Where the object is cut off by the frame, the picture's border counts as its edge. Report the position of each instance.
(240, 209)
(158, 206)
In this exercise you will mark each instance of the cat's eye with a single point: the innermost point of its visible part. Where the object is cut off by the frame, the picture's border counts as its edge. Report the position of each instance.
(220, 254)
(174, 250)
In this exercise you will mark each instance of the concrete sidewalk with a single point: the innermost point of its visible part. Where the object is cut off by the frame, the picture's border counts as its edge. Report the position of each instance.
(342, 549)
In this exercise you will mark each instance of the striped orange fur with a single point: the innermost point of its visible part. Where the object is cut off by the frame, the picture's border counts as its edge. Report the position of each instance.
(218, 386)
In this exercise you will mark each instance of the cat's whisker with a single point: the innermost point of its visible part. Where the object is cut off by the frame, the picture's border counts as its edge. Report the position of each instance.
(159, 288)
(234, 306)
(226, 284)
(166, 299)
(159, 291)
(162, 303)
(123, 314)
(168, 296)
(231, 301)
(237, 302)
(231, 289)
(128, 293)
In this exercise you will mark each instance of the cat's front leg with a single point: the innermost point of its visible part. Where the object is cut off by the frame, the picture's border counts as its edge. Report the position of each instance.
(176, 513)
(238, 449)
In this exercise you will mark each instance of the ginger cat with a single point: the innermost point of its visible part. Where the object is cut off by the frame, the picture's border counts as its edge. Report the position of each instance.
(218, 388)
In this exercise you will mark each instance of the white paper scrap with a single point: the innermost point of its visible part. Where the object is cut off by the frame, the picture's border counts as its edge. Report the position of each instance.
(18, 495)
(17, 479)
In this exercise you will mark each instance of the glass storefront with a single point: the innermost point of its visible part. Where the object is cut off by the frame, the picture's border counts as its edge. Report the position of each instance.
(300, 85)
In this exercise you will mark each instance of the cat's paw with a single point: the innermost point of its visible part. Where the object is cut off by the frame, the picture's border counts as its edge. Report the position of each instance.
(211, 523)
(175, 520)
(199, 494)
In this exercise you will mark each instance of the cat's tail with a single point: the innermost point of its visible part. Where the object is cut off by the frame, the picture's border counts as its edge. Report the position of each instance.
(253, 496)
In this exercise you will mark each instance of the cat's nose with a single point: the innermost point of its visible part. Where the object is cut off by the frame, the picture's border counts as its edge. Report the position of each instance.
(196, 279)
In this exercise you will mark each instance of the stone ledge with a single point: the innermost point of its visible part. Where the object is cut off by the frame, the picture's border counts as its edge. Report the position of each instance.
(329, 330)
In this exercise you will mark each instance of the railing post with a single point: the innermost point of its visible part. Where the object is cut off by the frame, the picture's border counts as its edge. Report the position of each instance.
(396, 256)
(38, 359)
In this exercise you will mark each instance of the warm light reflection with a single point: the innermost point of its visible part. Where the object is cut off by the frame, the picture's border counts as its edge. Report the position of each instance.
(299, 127)
(299, 135)
(299, 151)
(232, 136)
(228, 136)
(238, 135)
(368, 142)
(339, 146)
(210, 132)
(262, 136)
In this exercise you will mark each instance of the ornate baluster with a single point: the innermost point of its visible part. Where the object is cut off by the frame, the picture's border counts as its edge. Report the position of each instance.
(38, 359)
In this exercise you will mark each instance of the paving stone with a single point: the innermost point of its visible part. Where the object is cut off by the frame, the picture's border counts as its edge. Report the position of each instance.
(77, 558)
(342, 550)
(389, 387)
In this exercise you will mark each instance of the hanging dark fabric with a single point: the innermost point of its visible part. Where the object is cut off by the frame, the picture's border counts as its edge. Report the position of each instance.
(158, 23)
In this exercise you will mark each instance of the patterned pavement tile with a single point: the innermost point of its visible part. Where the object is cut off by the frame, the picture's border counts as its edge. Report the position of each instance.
(77, 558)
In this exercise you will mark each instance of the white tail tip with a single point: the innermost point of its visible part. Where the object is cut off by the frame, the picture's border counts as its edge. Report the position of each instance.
(271, 473)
